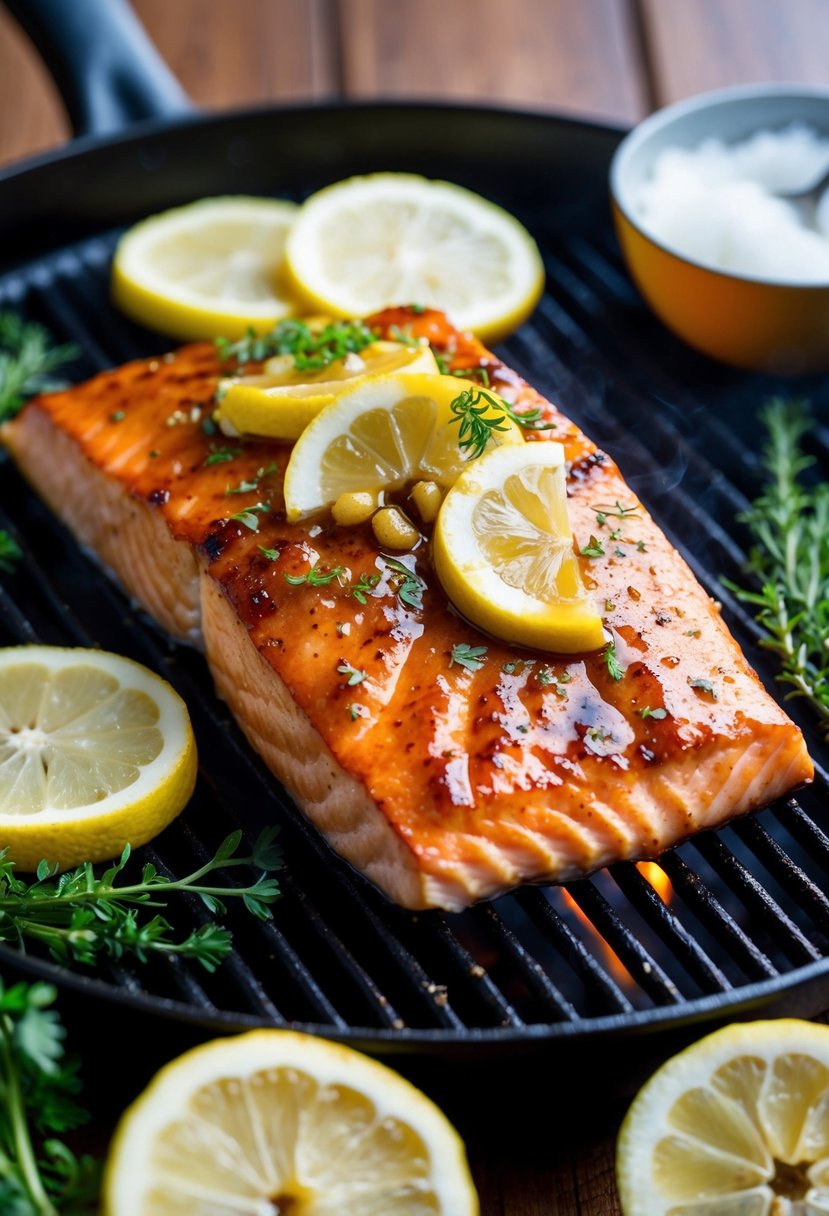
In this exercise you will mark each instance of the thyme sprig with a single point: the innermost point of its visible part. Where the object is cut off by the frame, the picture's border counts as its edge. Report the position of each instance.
(480, 414)
(27, 359)
(312, 350)
(39, 1173)
(80, 917)
(789, 558)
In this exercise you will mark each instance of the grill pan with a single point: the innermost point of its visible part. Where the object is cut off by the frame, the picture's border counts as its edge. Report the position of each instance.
(746, 930)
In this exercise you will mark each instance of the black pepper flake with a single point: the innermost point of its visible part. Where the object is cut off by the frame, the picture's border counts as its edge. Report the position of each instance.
(158, 497)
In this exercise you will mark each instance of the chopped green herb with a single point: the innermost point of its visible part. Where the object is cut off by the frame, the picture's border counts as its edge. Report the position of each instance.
(547, 677)
(273, 555)
(617, 509)
(598, 734)
(10, 552)
(312, 351)
(117, 416)
(470, 657)
(704, 686)
(248, 517)
(409, 586)
(641, 546)
(209, 426)
(315, 577)
(244, 487)
(693, 633)
(593, 549)
(154, 454)
(647, 712)
(355, 712)
(223, 455)
(401, 335)
(364, 587)
(418, 308)
(609, 606)
(619, 553)
(27, 359)
(614, 668)
(354, 676)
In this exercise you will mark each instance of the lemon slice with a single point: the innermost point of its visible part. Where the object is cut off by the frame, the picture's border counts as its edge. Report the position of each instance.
(208, 269)
(503, 551)
(95, 752)
(369, 242)
(737, 1125)
(378, 436)
(275, 1122)
(283, 400)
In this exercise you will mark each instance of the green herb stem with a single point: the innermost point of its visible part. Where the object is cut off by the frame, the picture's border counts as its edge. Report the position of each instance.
(22, 1146)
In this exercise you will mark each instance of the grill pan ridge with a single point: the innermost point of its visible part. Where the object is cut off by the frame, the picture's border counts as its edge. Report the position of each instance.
(747, 926)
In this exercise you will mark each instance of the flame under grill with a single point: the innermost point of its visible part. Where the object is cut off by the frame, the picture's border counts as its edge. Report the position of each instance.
(744, 915)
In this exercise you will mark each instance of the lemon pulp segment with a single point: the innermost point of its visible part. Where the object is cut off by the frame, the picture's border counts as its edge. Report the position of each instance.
(276, 1121)
(737, 1124)
(95, 751)
(377, 437)
(212, 268)
(503, 550)
(368, 242)
(282, 401)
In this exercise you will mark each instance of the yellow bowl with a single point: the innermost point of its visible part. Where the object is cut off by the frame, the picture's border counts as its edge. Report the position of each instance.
(754, 323)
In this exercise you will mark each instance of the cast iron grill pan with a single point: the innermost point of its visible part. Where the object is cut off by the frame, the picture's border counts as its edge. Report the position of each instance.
(746, 927)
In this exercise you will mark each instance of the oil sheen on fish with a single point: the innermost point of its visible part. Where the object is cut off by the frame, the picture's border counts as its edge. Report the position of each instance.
(441, 784)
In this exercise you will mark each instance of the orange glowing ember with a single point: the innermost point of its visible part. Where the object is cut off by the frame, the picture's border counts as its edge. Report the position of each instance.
(658, 879)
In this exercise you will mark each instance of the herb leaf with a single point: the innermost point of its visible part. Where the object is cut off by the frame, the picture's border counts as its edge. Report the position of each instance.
(27, 359)
(315, 577)
(470, 657)
(789, 527)
(80, 918)
(354, 676)
(312, 351)
(477, 424)
(614, 668)
(409, 585)
(10, 552)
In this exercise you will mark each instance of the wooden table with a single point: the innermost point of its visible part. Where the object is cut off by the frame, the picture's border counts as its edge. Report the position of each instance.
(613, 60)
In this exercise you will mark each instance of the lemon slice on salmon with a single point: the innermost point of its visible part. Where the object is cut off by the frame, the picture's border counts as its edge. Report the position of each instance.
(278, 1122)
(503, 551)
(95, 752)
(736, 1125)
(282, 401)
(368, 242)
(211, 268)
(378, 437)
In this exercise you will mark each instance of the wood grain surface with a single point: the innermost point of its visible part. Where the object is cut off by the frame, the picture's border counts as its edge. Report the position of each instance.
(607, 59)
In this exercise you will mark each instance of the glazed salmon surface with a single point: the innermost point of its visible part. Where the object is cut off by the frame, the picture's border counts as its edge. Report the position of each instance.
(443, 785)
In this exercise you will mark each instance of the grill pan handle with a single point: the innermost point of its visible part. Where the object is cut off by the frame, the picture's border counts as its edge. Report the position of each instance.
(107, 70)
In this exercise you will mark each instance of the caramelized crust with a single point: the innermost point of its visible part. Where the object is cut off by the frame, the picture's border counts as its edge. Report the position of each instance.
(442, 784)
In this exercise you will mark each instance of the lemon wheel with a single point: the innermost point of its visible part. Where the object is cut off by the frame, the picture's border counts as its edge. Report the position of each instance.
(283, 400)
(379, 436)
(503, 551)
(273, 1122)
(390, 238)
(737, 1125)
(213, 268)
(95, 752)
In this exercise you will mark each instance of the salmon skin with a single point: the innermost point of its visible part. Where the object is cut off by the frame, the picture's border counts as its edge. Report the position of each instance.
(442, 784)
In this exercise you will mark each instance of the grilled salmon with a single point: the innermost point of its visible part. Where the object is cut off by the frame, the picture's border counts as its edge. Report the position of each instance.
(444, 785)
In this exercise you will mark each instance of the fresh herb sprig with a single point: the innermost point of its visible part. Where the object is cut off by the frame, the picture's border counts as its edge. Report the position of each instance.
(480, 415)
(789, 526)
(80, 918)
(311, 350)
(27, 359)
(10, 552)
(39, 1174)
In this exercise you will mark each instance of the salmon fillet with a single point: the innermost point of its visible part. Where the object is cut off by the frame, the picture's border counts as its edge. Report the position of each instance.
(441, 784)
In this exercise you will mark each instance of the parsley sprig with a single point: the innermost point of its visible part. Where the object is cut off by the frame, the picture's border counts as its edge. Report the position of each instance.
(80, 918)
(39, 1173)
(27, 360)
(311, 350)
(480, 414)
(789, 526)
